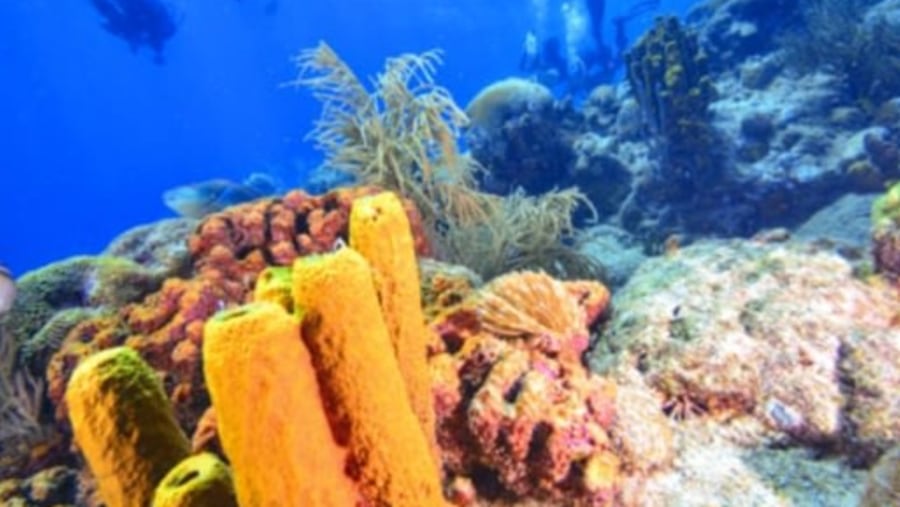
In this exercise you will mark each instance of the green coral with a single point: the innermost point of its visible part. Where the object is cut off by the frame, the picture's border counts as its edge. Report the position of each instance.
(886, 209)
(77, 282)
(669, 76)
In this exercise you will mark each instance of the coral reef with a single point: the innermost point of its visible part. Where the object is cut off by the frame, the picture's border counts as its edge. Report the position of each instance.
(229, 250)
(778, 145)
(240, 242)
(109, 282)
(402, 137)
(737, 30)
(760, 371)
(668, 74)
(519, 416)
(860, 48)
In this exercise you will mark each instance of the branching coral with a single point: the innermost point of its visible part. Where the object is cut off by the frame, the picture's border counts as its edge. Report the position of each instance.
(21, 401)
(523, 232)
(402, 136)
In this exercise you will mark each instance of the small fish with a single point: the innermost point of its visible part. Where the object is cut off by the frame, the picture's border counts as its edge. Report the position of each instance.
(196, 200)
(7, 290)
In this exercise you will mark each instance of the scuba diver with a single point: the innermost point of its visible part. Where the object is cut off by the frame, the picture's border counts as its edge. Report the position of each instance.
(148, 23)
(596, 64)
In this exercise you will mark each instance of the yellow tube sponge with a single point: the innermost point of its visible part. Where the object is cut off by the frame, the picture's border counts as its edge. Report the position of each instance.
(198, 481)
(271, 420)
(380, 231)
(359, 375)
(124, 425)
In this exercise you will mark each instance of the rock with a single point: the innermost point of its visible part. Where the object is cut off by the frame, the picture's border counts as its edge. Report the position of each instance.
(782, 334)
(883, 486)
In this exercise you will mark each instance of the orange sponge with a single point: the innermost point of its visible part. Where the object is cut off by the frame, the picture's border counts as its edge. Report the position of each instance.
(380, 231)
(271, 420)
(358, 372)
(124, 425)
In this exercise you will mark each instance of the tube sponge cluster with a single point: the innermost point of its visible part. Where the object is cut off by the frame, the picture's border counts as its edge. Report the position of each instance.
(330, 358)
(262, 384)
(337, 380)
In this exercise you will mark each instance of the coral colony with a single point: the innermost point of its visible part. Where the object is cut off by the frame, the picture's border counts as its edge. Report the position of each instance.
(681, 290)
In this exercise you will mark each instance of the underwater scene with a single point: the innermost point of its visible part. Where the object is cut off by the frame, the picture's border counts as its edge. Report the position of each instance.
(576, 253)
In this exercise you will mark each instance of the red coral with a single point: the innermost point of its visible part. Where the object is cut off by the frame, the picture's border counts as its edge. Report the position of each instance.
(240, 242)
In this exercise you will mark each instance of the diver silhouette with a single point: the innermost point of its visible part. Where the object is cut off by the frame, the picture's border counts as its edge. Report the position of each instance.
(583, 66)
(149, 23)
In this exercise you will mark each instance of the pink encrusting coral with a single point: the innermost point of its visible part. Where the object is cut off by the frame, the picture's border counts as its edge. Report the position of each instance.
(518, 414)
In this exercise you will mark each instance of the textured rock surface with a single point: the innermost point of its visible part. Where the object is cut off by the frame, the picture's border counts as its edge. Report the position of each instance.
(751, 345)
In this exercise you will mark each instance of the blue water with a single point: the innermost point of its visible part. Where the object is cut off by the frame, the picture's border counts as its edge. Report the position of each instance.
(93, 133)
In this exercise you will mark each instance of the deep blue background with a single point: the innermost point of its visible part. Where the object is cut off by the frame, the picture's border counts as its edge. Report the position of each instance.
(92, 133)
